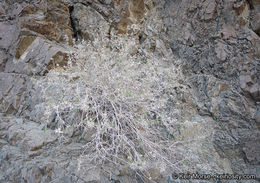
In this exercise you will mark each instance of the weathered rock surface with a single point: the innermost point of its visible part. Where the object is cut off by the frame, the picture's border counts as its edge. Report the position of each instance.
(29, 37)
(220, 64)
(12, 92)
(215, 103)
(88, 23)
(33, 24)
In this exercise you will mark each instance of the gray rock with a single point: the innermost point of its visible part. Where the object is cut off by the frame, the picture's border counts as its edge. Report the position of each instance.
(249, 86)
(37, 138)
(255, 91)
(30, 136)
(245, 80)
(208, 10)
(257, 117)
(12, 92)
(218, 55)
(8, 35)
(88, 134)
(19, 120)
(38, 58)
(215, 54)
(89, 24)
(256, 23)
(221, 51)
(252, 150)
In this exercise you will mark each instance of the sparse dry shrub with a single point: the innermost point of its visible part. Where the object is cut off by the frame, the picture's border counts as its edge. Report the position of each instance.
(115, 101)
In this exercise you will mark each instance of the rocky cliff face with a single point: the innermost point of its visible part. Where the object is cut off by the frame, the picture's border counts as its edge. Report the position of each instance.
(128, 90)
(220, 48)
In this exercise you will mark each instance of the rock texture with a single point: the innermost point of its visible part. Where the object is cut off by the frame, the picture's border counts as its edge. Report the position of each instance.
(215, 100)
(35, 37)
(221, 54)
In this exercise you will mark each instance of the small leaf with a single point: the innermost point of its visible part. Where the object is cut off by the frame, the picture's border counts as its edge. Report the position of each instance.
(131, 161)
(111, 97)
(44, 129)
(155, 121)
(128, 94)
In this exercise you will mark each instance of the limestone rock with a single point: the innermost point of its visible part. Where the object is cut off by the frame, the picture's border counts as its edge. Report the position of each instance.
(252, 150)
(46, 20)
(154, 174)
(242, 9)
(255, 23)
(228, 32)
(37, 138)
(50, 19)
(12, 92)
(255, 4)
(133, 14)
(221, 51)
(217, 52)
(88, 23)
(255, 91)
(208, 10)
(8, 35)
(30, 136)
(245, 80)
(248, 85)
(257, 117)
(36, 56)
